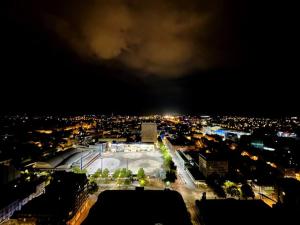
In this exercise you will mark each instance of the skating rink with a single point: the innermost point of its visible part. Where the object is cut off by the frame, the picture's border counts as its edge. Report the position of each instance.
(151, 162)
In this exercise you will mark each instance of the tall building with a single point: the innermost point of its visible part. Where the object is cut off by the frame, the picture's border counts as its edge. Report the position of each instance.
(213, 164)
(149, 132)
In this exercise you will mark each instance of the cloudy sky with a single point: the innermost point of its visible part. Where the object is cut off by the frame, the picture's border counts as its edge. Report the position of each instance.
(141, 56)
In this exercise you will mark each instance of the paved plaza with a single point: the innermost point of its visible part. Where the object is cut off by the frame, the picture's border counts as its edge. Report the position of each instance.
(150, 161)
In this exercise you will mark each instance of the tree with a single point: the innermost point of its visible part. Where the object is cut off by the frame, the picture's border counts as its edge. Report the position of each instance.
(128, 174)
(141, 174)
(105, 173)
(216, 182)
(125, 176)
(127, 181)
(172, 166)
(116, 173)
(228, 183)
(93, 187)
(97, 174)
(247, 191)
(171, 176)
(167, 161)
(123, 173)
(143, 182)
(219, 191)
(233, 191)
(76, 169)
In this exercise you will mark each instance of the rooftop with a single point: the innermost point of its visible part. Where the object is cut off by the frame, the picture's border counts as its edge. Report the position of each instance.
(180, 140)
(139, 207)
(59, 196)
(234, 212)
(211, 155)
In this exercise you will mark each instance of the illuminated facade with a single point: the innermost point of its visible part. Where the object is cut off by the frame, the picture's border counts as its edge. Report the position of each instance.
(212, 165)
(149, 132)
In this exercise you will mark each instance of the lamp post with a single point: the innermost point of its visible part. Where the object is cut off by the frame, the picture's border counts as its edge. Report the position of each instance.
(259, 189)
(81, 160)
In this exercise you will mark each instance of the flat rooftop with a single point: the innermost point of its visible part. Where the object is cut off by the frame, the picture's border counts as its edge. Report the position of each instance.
(145, 207)
(180, 141)
(245, 212)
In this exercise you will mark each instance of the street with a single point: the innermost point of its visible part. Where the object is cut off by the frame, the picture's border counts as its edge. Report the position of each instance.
(180, 169)
(186, 187)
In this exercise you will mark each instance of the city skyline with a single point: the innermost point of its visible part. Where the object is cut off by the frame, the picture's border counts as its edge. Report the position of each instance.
(60, 169)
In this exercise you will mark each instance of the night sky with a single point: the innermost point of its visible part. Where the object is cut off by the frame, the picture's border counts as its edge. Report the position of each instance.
(158, 56)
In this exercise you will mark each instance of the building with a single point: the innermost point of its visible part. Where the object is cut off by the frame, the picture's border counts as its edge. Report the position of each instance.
(235, 212)
(149, 132)
(288, 193)
(63, 201)
(8, 172)
(121, 147)
(224, 133)
(73, 157)
(153, 207)
(16, 195)
(210, 163)
(180, 143)
(191, 167)
(183, 160)
(7, 209)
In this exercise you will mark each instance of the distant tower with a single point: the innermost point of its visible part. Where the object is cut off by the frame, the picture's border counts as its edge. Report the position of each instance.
(149, 132)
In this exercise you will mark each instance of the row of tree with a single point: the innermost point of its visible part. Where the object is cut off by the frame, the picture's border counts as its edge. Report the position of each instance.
(168, 164)
(122, 176)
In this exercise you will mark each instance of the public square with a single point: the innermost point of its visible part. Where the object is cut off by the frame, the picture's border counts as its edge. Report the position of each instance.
(150, 161)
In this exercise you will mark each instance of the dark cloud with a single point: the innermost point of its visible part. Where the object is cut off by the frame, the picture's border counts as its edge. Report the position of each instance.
(163, 37)
(147, 56)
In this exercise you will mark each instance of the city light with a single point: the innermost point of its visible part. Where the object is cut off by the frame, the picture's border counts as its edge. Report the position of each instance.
(156, 152)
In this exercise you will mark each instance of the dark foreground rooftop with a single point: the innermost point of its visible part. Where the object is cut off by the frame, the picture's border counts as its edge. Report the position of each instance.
(139, 207)
(243, 212)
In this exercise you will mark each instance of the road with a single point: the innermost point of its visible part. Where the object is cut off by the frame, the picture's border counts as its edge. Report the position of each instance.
(185, 180)
(270, 197)
(186, 187)
(180, 169)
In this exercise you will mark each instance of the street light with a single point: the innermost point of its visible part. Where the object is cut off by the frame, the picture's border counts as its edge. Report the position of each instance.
(81, 160)
(259, 189)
